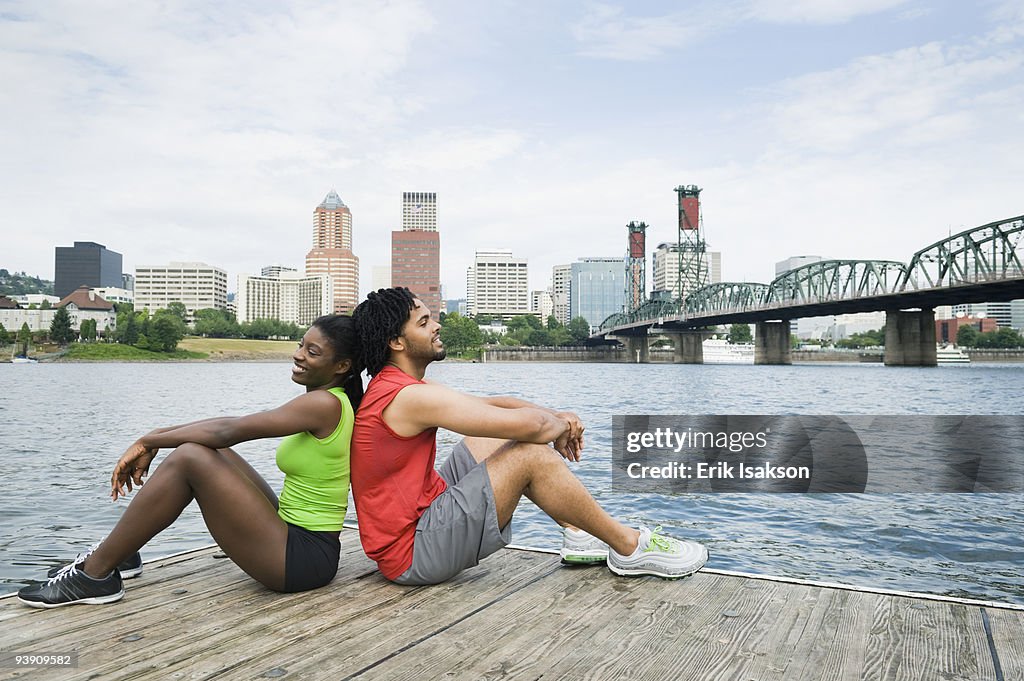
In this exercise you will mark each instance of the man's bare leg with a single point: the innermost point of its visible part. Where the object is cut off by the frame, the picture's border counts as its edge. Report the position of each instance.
(538, 472)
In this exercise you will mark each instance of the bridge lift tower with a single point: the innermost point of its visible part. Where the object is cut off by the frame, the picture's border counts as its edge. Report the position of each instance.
(693, 262)
(636, 265)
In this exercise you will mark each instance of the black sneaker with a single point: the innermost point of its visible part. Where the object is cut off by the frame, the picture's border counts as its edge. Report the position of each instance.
(129, 567)
(71, 585)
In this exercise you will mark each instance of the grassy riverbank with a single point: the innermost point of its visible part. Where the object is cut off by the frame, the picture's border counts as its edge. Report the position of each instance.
(192, 348)
(239, 349)
(113, 352)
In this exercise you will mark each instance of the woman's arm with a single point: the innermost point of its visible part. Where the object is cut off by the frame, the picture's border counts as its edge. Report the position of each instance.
(316, 411)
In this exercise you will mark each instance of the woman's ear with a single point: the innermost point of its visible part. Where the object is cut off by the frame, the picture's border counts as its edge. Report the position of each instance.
(343, 367)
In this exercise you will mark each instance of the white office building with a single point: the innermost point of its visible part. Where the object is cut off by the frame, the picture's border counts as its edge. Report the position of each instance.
(665, 268)
(561, 278)
(419, 211)
(285, 295)
(496, 285)
(196, 285)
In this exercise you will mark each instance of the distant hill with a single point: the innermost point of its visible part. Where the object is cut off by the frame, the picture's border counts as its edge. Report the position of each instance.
(19, 283)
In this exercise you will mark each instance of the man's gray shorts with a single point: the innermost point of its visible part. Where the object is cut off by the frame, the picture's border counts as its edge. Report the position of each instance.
(460, 527)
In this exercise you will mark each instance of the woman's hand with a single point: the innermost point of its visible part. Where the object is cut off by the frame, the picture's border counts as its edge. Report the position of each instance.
(131, 468)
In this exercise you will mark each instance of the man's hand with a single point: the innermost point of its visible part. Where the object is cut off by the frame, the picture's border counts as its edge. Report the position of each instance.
(570, 443)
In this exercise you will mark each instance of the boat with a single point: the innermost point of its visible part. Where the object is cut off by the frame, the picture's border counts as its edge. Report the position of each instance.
(950, 354)
(720, 351)
(23, 360)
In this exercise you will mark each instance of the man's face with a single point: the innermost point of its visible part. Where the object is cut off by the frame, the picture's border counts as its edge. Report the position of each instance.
(422, 335)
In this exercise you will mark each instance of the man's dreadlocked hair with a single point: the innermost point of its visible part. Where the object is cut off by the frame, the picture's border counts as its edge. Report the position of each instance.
(379, 320)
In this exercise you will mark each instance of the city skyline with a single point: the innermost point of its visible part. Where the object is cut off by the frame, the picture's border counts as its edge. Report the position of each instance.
(862, 129)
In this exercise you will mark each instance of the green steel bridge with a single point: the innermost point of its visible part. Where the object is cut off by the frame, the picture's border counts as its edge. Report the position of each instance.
(983, 264)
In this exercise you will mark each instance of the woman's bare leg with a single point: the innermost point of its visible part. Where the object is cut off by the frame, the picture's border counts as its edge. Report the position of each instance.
(239, 513)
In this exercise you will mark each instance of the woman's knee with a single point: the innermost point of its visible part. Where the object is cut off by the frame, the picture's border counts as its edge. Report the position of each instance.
(191, 456)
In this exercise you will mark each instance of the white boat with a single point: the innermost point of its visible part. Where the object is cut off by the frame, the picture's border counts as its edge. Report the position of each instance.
(950, 354)
(720, 351)
(23, 360)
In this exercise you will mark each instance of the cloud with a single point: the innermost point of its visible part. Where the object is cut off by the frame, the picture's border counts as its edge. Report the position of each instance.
(915, 96)
(605, 32)
(816, 11)
(608, 32)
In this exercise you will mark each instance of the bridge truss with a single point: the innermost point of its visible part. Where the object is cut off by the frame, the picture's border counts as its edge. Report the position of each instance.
(986, 261)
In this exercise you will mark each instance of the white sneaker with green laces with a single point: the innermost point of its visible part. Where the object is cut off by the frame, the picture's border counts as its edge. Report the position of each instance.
(659, 555)
(581, 548)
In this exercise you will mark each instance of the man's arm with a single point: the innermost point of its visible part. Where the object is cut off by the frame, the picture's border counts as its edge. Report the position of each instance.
(418, 407)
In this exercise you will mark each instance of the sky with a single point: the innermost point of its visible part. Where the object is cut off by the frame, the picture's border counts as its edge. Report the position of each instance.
(202, 131)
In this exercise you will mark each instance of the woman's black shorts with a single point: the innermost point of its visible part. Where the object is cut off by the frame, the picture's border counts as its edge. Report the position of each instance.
(310, 559)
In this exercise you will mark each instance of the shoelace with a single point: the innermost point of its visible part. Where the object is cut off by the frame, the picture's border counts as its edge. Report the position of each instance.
(661, 542)
(63, 574)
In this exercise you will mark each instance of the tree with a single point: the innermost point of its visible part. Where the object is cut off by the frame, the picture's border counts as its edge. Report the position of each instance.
(740, 333)
(523, 321)
(5, 337)
(45, 305)
(579, 329)
(539, 337)
(177, 308)
(459, 333)
(88, 330)
(216, 323)
(967, 336)
(60, 328)
(24, 337)
(165, 332)
(127, 328)
(553, 322)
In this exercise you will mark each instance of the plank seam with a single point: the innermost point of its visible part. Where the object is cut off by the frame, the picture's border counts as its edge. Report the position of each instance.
(448, 626)
(992, 645)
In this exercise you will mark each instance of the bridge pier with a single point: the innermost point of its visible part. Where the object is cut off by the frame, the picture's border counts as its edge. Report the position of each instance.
(910, 338)
(771, 343)
(637, 349)
(688, 347)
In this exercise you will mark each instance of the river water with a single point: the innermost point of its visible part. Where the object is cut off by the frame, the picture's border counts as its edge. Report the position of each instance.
(62, 427)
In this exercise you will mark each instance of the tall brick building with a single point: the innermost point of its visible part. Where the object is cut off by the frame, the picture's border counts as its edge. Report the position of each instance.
(332, 251)
(416, 250)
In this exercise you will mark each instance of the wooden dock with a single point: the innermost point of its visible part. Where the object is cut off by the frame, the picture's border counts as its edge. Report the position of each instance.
(519, 615)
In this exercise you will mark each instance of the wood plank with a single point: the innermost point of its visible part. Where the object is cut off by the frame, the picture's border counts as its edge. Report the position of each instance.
(1007, 628)
(914, 639)
(518, 615)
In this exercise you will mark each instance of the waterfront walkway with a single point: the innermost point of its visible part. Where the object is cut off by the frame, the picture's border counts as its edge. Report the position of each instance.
(519, 615)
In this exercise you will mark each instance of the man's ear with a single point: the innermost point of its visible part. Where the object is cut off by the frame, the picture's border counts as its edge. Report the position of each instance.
(396, 344)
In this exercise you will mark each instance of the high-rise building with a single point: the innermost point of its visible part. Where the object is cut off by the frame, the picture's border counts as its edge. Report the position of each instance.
(597, 289)
(1002, 313)
(419, 211)
(542, 304)
(332, 251)
(561, 275)
(496, 285)
(416, 250)
(380, 277)
(85, 264)
(285, 295)
(196, 285)
(665, 269)
(809, 327)
(276, 271)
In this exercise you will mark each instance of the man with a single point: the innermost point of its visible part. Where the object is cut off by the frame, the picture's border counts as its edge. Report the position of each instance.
(424, 527)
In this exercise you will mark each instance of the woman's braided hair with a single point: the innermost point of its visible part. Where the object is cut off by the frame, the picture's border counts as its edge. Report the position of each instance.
(380, 319)
(340, 330)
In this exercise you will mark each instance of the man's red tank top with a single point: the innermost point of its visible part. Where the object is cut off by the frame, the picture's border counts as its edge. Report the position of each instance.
(393, 477)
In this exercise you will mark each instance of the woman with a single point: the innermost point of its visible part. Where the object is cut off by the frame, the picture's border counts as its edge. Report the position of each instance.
(289, 544)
